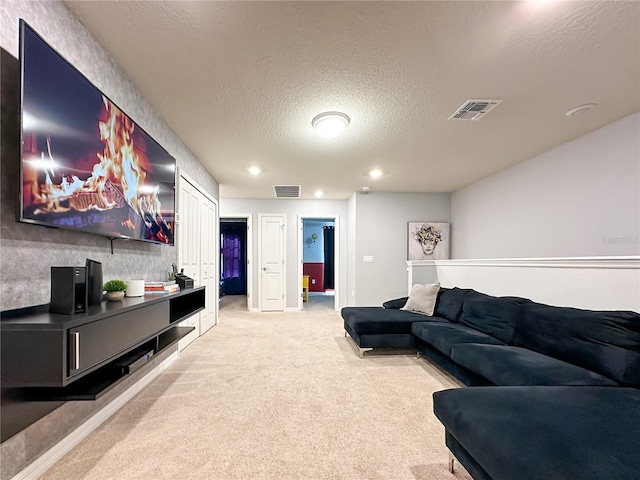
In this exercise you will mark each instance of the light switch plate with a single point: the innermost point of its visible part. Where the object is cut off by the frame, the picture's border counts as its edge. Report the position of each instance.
(368, 259)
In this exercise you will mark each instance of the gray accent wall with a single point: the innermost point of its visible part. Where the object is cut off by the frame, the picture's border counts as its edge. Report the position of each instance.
(381, 224)
(579, 199)
(28, 251)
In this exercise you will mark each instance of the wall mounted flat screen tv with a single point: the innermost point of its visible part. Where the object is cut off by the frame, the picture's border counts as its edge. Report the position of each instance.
(85, 164)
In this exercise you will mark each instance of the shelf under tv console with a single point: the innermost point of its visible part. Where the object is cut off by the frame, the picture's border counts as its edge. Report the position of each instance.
(96, 384)
(49, 357)
(42, 349)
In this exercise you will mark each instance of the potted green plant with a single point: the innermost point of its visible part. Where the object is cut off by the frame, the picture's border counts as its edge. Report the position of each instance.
(115, 290)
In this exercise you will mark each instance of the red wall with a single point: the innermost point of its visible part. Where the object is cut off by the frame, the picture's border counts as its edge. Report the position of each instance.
(315, 270)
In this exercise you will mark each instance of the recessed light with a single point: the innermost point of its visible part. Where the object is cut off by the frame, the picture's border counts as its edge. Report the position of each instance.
(330, 124)
(581, 109)
(319, 193)
(254, 170)
(376, 173)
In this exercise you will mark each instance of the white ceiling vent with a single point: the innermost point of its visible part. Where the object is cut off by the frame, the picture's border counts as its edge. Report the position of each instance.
(287, 191)
(474, 109)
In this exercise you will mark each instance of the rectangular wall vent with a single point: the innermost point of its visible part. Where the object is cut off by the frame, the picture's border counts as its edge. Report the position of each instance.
(287, 191)
(474, 109)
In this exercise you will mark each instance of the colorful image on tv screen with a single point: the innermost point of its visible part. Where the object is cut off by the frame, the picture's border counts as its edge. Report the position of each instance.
(85, 164)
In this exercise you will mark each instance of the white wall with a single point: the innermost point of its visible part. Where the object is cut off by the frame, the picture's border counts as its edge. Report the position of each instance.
(352, 236)
(595, 283)
(381, 226)
(567, 223)
(292, 208)
(579, 199)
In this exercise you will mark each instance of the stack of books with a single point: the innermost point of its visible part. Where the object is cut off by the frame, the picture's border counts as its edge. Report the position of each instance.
(161, 287)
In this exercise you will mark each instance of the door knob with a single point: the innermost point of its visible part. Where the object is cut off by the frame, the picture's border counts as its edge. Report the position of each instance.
(264, 268)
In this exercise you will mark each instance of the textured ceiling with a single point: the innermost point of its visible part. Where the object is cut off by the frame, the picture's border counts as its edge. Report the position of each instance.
(239, 82)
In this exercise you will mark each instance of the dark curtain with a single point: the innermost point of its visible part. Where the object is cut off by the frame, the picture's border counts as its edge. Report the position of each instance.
(230, 255)
(328, 257)
(233, 268)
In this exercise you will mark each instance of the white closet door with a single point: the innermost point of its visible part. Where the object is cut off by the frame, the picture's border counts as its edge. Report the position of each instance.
(188, 238)
(208, 262)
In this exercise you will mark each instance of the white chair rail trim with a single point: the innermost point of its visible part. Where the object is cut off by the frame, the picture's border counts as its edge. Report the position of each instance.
(623, 262)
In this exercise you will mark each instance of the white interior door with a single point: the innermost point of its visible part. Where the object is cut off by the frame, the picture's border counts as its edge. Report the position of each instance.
(208, 257)
(272, 264)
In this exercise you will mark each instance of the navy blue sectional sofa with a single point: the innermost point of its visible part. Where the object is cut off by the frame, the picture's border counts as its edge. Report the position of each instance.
(543, 433)
(552, 386)
(486, 340)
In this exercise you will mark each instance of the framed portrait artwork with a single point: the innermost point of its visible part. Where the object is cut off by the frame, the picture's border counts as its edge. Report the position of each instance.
(428, 241)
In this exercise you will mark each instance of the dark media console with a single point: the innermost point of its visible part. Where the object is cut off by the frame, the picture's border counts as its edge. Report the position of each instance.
(50, 357)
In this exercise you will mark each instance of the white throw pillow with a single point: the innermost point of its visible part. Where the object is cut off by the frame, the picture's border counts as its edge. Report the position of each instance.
(422, 299)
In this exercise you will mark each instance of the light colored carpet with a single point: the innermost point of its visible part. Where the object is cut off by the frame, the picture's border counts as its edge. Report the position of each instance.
(319, 302)
(273, 396)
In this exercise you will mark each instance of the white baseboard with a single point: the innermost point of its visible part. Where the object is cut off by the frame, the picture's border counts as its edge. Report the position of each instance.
(55, 453)
(292, 309)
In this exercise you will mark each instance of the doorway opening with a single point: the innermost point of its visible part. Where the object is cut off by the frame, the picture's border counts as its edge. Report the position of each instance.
(235, 284)
(318, 255)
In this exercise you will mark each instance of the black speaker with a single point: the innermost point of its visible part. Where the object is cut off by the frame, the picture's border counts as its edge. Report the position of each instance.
(94, 282)
(68, 290)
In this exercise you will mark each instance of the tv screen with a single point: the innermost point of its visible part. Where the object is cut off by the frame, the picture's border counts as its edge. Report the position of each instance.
(86, 165)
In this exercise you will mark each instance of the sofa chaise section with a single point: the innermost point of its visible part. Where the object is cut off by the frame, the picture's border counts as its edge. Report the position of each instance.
(550, 433)
(389, 327)
(382, 328)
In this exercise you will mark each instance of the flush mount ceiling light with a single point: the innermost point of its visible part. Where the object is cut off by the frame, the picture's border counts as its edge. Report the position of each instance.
(319, 193)
(330, 124)
(375, 173)
(254, 170)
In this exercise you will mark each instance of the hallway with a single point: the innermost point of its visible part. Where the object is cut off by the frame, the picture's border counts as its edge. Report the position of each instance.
(319, 302)
(238, 303)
